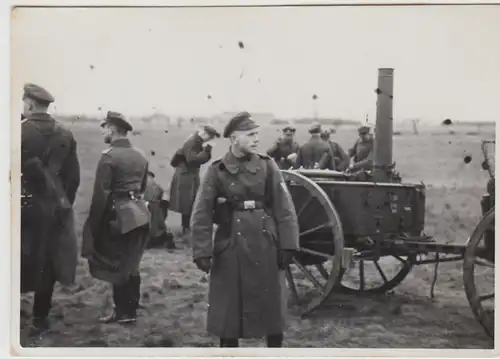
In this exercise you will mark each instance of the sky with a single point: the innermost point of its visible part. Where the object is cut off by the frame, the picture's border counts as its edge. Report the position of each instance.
(138, 61)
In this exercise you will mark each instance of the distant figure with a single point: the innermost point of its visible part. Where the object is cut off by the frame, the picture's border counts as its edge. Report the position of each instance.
(361, 153)
(116, 232)
(285, 149)
(50, 178)
(186, 180)
(158, 207)
(314, 153)
(338, 159)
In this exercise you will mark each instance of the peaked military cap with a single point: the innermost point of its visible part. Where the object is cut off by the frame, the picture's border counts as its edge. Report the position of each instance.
(241, 122)
(211, 131)
(289, 129)
(363, 130)
(117, 119)
(316, 128)
(37, 93)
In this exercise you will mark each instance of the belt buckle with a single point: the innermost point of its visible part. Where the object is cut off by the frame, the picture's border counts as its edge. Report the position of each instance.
(249, 204)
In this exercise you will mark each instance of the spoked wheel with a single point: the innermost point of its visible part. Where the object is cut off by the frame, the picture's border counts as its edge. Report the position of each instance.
(479, 272)
(317, 266)
(376, 275)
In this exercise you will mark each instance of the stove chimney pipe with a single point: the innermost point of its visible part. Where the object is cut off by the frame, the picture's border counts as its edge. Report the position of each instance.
(382, 162)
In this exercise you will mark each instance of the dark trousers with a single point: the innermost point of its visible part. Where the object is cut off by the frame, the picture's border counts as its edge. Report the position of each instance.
(126, 296)
(185, 220)
(273, 341)
(43, 294)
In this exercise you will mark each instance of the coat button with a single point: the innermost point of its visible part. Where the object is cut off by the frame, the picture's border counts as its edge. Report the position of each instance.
(239, 233)
(238, 220)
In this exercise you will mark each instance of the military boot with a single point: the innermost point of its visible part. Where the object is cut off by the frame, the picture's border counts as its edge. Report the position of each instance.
(134, 294)
(169, 241)
(120, 313)
(274, 341)
(39, 325)
(229, 343)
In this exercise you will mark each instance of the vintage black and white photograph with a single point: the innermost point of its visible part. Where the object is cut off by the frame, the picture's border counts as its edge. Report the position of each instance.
(255, 176)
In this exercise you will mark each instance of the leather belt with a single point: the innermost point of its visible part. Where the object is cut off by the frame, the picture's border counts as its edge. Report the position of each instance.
(247, 205)
(126, 195)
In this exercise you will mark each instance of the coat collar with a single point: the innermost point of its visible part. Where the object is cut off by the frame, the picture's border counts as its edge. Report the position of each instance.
(233, 164)
(315, 139)
(121, 142)
(197, 137)
(40, 116)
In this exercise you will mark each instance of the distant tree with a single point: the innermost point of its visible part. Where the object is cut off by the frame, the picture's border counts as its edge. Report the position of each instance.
(415, 125)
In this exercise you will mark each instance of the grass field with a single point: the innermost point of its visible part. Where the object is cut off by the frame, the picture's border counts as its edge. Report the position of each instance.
(174, 291)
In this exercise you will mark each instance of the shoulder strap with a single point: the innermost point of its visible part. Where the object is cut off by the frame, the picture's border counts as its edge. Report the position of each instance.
(49, 146)
(269, 184)
(48, 140)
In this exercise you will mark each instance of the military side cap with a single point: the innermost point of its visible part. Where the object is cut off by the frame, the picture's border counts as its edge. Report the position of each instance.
(363, 130)
(289, 129)
(316, 128)
(211, 131)
(37, 93)
(117, 119)
(241, 122)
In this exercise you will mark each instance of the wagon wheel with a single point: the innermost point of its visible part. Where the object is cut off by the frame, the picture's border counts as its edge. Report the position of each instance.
(317, 265)
(376, 275)
(477, 270)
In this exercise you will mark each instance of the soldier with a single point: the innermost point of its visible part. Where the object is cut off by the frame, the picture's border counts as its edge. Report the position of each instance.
(361, 153)
(315, 152)
(117, 229)
(186, 180)
(254, 242)
(158, 207)
(50, 179)
(285, 149)
(338, 159)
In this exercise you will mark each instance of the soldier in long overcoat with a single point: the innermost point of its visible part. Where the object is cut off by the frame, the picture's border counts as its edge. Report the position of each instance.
(283, 148)
(315, 152)
(186, 179)
(361, 153)
(158, 207)
(338, 159)
(117, 228)
(50, 180)
(257, 234)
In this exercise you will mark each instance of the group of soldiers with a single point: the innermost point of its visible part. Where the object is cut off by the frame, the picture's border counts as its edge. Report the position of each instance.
(243, 193)
(320, 152)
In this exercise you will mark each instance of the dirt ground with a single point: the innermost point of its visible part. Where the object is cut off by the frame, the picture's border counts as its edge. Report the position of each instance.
(174, 292)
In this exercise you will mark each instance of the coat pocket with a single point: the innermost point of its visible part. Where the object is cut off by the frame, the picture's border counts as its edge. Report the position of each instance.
(269, 229)
(220, 246)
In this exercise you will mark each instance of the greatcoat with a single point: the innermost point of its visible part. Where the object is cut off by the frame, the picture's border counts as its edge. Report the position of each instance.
(281, 150)
(186, 178)
(48, 237)
(316, 150)
(117, 228)
(247, 290)
(338, 159)
(362, 154)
